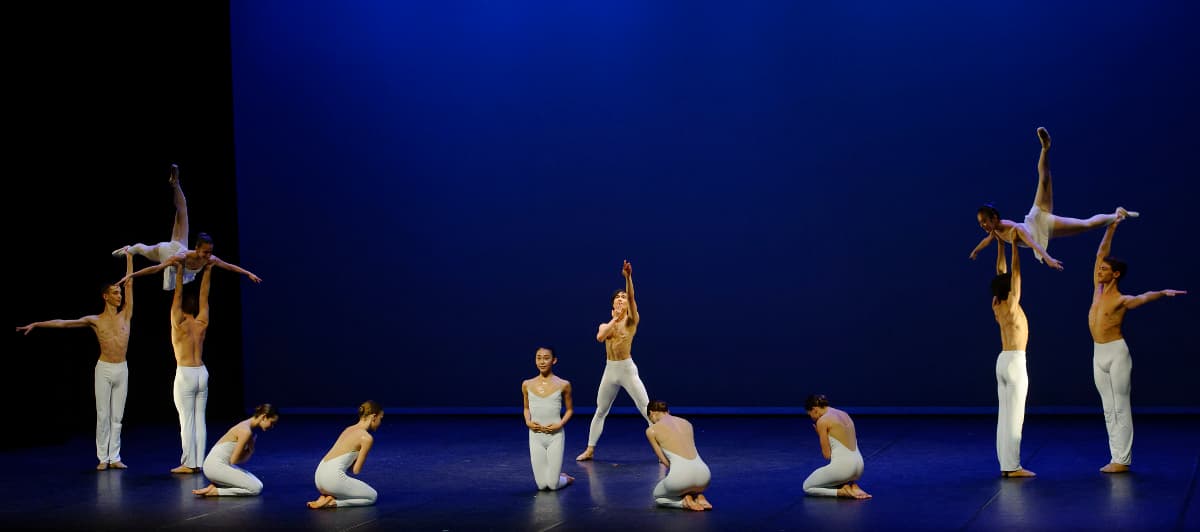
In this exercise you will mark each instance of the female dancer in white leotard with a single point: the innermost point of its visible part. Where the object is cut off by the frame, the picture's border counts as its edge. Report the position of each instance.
(839, 445)
(348, 452)
(1041, 224)
(544, 397)
(235, 447)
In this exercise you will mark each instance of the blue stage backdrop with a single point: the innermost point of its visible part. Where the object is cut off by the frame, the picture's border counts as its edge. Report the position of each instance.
(431, 190)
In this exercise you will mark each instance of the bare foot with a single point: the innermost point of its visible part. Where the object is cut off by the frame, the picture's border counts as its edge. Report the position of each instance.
(703, 502)
(586, 455)
(174, 174)
(858, 492)
(207, 491)
(184, 470)
(1020, 473)
(120, 252)
(690, 504)
(324, 501)
(1044, 136)
(101, 466)
(569, 479)
(118, 465)
(846, 491)
(1114, 468)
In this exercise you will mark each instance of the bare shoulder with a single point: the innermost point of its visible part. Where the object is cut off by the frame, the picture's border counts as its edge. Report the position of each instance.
(566, 384)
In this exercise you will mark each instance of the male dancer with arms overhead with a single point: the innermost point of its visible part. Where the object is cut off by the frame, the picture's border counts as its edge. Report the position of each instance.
(189, 325)
(620, 372)
(1112, 366)
(1012, 380)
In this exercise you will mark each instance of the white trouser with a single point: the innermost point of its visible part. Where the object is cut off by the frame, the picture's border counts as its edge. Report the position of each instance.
(332, 480)
(1012, 386)
(844, 466)
(686, 477)
(617, 374)
(230, 479)
(1112, 369)
(112, 386)
(546, 455)
(191, 399)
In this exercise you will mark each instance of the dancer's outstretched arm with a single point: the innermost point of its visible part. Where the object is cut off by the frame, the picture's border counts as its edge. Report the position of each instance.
(983, 244)
(86, 321)
(1103, 251)
(1029, 241)
(127, 305)
(234, 268)
(1131, 302)
(1014, 288)
(627, 271)
(205, 287)
(176, 260)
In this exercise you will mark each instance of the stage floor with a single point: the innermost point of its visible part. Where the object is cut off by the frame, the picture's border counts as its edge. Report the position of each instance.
(473, 473)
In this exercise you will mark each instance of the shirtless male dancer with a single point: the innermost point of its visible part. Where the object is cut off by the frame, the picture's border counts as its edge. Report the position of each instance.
(620, 372)
(1041, 224)
(189, 325)
(194, 260)
(674, 442)
(112, 372)
(839, 445)
(1112, 367)
(1012, 379)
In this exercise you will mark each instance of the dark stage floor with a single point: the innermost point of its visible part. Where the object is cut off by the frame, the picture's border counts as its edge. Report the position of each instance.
(473, 473)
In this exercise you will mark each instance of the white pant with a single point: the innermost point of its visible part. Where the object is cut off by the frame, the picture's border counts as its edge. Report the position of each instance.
(546, 455)
(229, 479)
(617, 374)
(112, 386)
(844, 466)
(1040, 224)
(1112, 369)
(191, 399)
(686, 477)
(1012, 386)
(332, 480)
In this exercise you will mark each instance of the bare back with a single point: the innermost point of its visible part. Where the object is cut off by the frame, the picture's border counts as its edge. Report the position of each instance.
(350, 440)
(1106, 315)
(1014, 327)
(112, 332)
(619, 345)
(674, 434)
(187, 338)
(841, 428)
(237, 432)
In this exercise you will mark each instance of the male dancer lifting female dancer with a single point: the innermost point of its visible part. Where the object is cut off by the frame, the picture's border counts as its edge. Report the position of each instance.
(544, 397)
(189, 326)
(235, 447)
(1041, 224)
(1112, 367)
(839, 445)
(193, 260)
(112, 372)
(674, 442)
(620, 372)
(1012, 379)
(349, 451)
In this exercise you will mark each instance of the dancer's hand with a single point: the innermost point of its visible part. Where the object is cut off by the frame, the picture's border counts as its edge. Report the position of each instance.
(618, 315)
(627, 270)
(974, 253)
(1172, 293)
(1051, 262)
(253, 277)
(25, 329)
